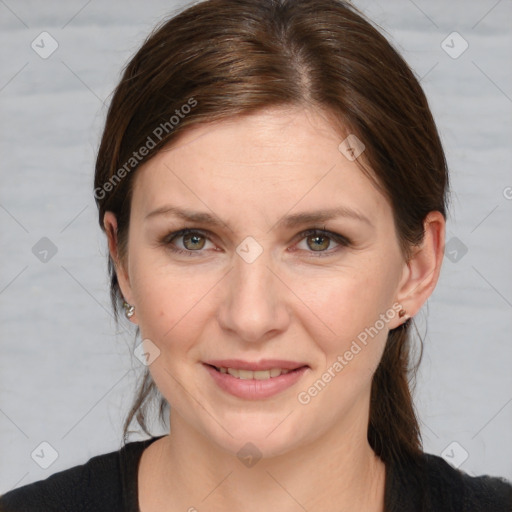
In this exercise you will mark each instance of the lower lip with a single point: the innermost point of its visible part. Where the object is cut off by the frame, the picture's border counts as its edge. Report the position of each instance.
(253, 389)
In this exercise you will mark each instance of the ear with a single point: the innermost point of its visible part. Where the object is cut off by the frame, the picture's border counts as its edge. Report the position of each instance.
(421, 272)
(110, 224)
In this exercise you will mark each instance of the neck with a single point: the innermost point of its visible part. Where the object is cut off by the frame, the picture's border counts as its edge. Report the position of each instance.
(334, 472)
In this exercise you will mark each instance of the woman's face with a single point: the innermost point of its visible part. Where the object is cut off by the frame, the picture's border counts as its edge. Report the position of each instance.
(250, 284)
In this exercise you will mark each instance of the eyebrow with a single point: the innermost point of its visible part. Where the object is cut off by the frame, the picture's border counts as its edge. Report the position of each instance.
(289, 221)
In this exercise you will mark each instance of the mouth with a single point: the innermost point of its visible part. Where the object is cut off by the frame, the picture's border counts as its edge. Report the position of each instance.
(255, 381)
(244, 374)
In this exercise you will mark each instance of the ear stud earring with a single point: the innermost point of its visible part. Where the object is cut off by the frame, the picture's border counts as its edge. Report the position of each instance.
(401, 314)
(129, 310)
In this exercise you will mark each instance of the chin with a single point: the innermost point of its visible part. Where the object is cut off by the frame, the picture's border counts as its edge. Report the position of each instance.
(259, 439)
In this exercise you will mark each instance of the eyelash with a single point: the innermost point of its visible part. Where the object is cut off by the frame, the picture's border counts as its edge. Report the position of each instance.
(339, 239)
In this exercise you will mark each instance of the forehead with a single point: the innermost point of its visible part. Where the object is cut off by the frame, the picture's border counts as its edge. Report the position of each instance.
(271, 162)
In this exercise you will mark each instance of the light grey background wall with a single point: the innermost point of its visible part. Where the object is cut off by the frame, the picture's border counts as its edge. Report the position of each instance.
(67, 375)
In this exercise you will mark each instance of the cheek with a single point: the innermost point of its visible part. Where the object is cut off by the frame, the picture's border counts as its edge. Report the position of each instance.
(357, 312)
(353, 350)
(357, 306)
(173, 302)
(167, 302)
(171, 314)
(343, 304)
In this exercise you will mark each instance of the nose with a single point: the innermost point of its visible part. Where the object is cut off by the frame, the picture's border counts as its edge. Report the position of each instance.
(255, 303)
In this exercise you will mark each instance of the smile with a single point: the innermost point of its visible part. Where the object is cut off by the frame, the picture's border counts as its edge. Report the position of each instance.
(248, 374)
(255, 384)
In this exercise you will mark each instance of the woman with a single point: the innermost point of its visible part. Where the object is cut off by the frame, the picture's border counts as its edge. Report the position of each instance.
(273, 190)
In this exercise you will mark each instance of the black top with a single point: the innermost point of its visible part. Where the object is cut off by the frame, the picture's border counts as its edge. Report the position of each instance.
(108, 483)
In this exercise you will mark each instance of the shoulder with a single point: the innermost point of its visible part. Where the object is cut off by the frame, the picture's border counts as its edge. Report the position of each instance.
(477, 493)
(102, 483)
(431, 484)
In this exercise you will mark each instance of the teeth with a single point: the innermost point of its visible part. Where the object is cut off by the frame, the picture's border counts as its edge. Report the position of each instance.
(249, 374)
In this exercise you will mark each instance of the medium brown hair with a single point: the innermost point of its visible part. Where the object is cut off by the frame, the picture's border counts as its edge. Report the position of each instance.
(235, 57)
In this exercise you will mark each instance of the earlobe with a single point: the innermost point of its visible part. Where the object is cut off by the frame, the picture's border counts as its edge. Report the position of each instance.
(424, 266)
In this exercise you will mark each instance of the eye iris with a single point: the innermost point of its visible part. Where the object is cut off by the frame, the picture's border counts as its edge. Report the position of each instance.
(194, 238)
(319, 237)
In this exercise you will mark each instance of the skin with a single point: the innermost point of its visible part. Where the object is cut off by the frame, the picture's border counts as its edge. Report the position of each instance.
(289, 303)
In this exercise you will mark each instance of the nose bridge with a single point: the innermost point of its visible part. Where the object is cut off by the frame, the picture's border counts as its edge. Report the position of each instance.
(254, 303)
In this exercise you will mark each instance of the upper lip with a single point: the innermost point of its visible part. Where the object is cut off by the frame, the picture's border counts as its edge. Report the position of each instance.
(264, 364)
